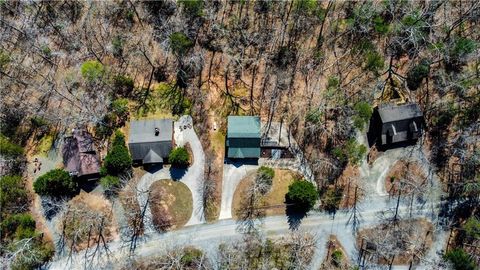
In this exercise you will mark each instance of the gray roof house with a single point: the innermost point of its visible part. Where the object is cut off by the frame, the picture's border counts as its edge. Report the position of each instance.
(392, 123)
(150, 141)
(243, 137)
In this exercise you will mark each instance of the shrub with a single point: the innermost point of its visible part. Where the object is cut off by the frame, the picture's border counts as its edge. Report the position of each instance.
(119, 139)
(110, 182)
(363, 112)
(118, 160)
(457, 53)
(337, 257)
(4, 59)
(190, 257)
(416, 74)
(55, 183)
(374, 61)
(331, 199)
(38, 122)
(123, 85)
(179, 157)
(117, 46)
(472, 228)
(9, 149)
(120, 107)
(92, 70)
(180, 43)
(460, 260)
(19, 225)
(303, 194)
(12, 194)
(314, 116)
(380, 25)
(192, 7)
(351, 151)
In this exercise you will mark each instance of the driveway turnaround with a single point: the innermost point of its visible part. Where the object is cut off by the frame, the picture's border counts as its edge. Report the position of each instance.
(193, 177)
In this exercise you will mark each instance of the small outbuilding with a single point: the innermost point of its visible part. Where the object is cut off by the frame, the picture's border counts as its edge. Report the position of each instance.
(243, 137)
(150, 141)
(393, 124)
(79, 155)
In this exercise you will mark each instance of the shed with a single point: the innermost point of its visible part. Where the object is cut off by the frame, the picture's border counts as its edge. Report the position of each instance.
(79, 156)
(150, 141)
(391, 123)
(243, 137)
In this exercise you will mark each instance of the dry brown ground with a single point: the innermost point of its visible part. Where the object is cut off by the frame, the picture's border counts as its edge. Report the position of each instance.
(410, 174)
(332, 245)
(406, 241)
(85, 210)
(349, 181)
(274, 201)
(171, 204)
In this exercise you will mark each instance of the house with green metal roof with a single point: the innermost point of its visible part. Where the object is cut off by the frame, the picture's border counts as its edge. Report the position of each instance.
(243, 137)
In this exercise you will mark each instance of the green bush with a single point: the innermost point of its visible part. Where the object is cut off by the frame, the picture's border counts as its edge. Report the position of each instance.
(302, 193)
(119, 139)
(180, 43)
(337, 257)
(374, 61)
(416, 74)
(19, 226)
(118, 160)
(9, 149)
(120, 107)
(314, 116)
(36, 256)
(117, 46)
(472, 228)
(123, 85)
(110, 182)
(380, 25)
(55, 183)
(460, 260)
(351, 151)
(4, 59)
(12, 194)
(179, 157)
(192, 7)
(38, 121)
(92, 70)
(190, 257)
(363, 112)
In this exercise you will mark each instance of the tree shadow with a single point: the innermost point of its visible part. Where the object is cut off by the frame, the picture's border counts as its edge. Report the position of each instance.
(240, 162)
(153, 168)
(295, 215)
(176, 173)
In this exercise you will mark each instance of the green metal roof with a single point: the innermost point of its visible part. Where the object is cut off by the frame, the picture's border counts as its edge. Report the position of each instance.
(243, 127)
(243, 152)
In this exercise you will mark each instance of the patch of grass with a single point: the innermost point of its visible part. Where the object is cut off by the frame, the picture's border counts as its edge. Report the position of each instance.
(44, 145)
(171, 204)
(218, 141)
(274, 200)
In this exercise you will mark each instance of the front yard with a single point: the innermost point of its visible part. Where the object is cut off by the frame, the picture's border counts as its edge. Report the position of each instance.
(171, 204)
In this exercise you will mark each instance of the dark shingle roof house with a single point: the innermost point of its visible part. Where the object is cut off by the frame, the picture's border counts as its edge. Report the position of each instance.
(243, 137)
(79, 155)
(392, 123)
(150, 141)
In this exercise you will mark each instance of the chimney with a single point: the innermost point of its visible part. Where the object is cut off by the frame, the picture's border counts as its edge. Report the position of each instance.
(157, 131)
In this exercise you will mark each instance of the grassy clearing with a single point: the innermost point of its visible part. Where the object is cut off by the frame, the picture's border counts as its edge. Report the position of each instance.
(44, 145)
(274, 200)
(171, 204)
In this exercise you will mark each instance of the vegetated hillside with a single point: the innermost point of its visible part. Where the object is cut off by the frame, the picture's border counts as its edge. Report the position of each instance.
(317, 67)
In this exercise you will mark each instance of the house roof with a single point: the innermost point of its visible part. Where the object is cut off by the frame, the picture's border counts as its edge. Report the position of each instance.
(391, 113)
(243, 127)
(244, 152)
(152, 157)
(79, 154)
(142, 131)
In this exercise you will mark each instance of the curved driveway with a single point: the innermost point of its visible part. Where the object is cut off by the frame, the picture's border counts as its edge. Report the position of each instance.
(193, 177)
